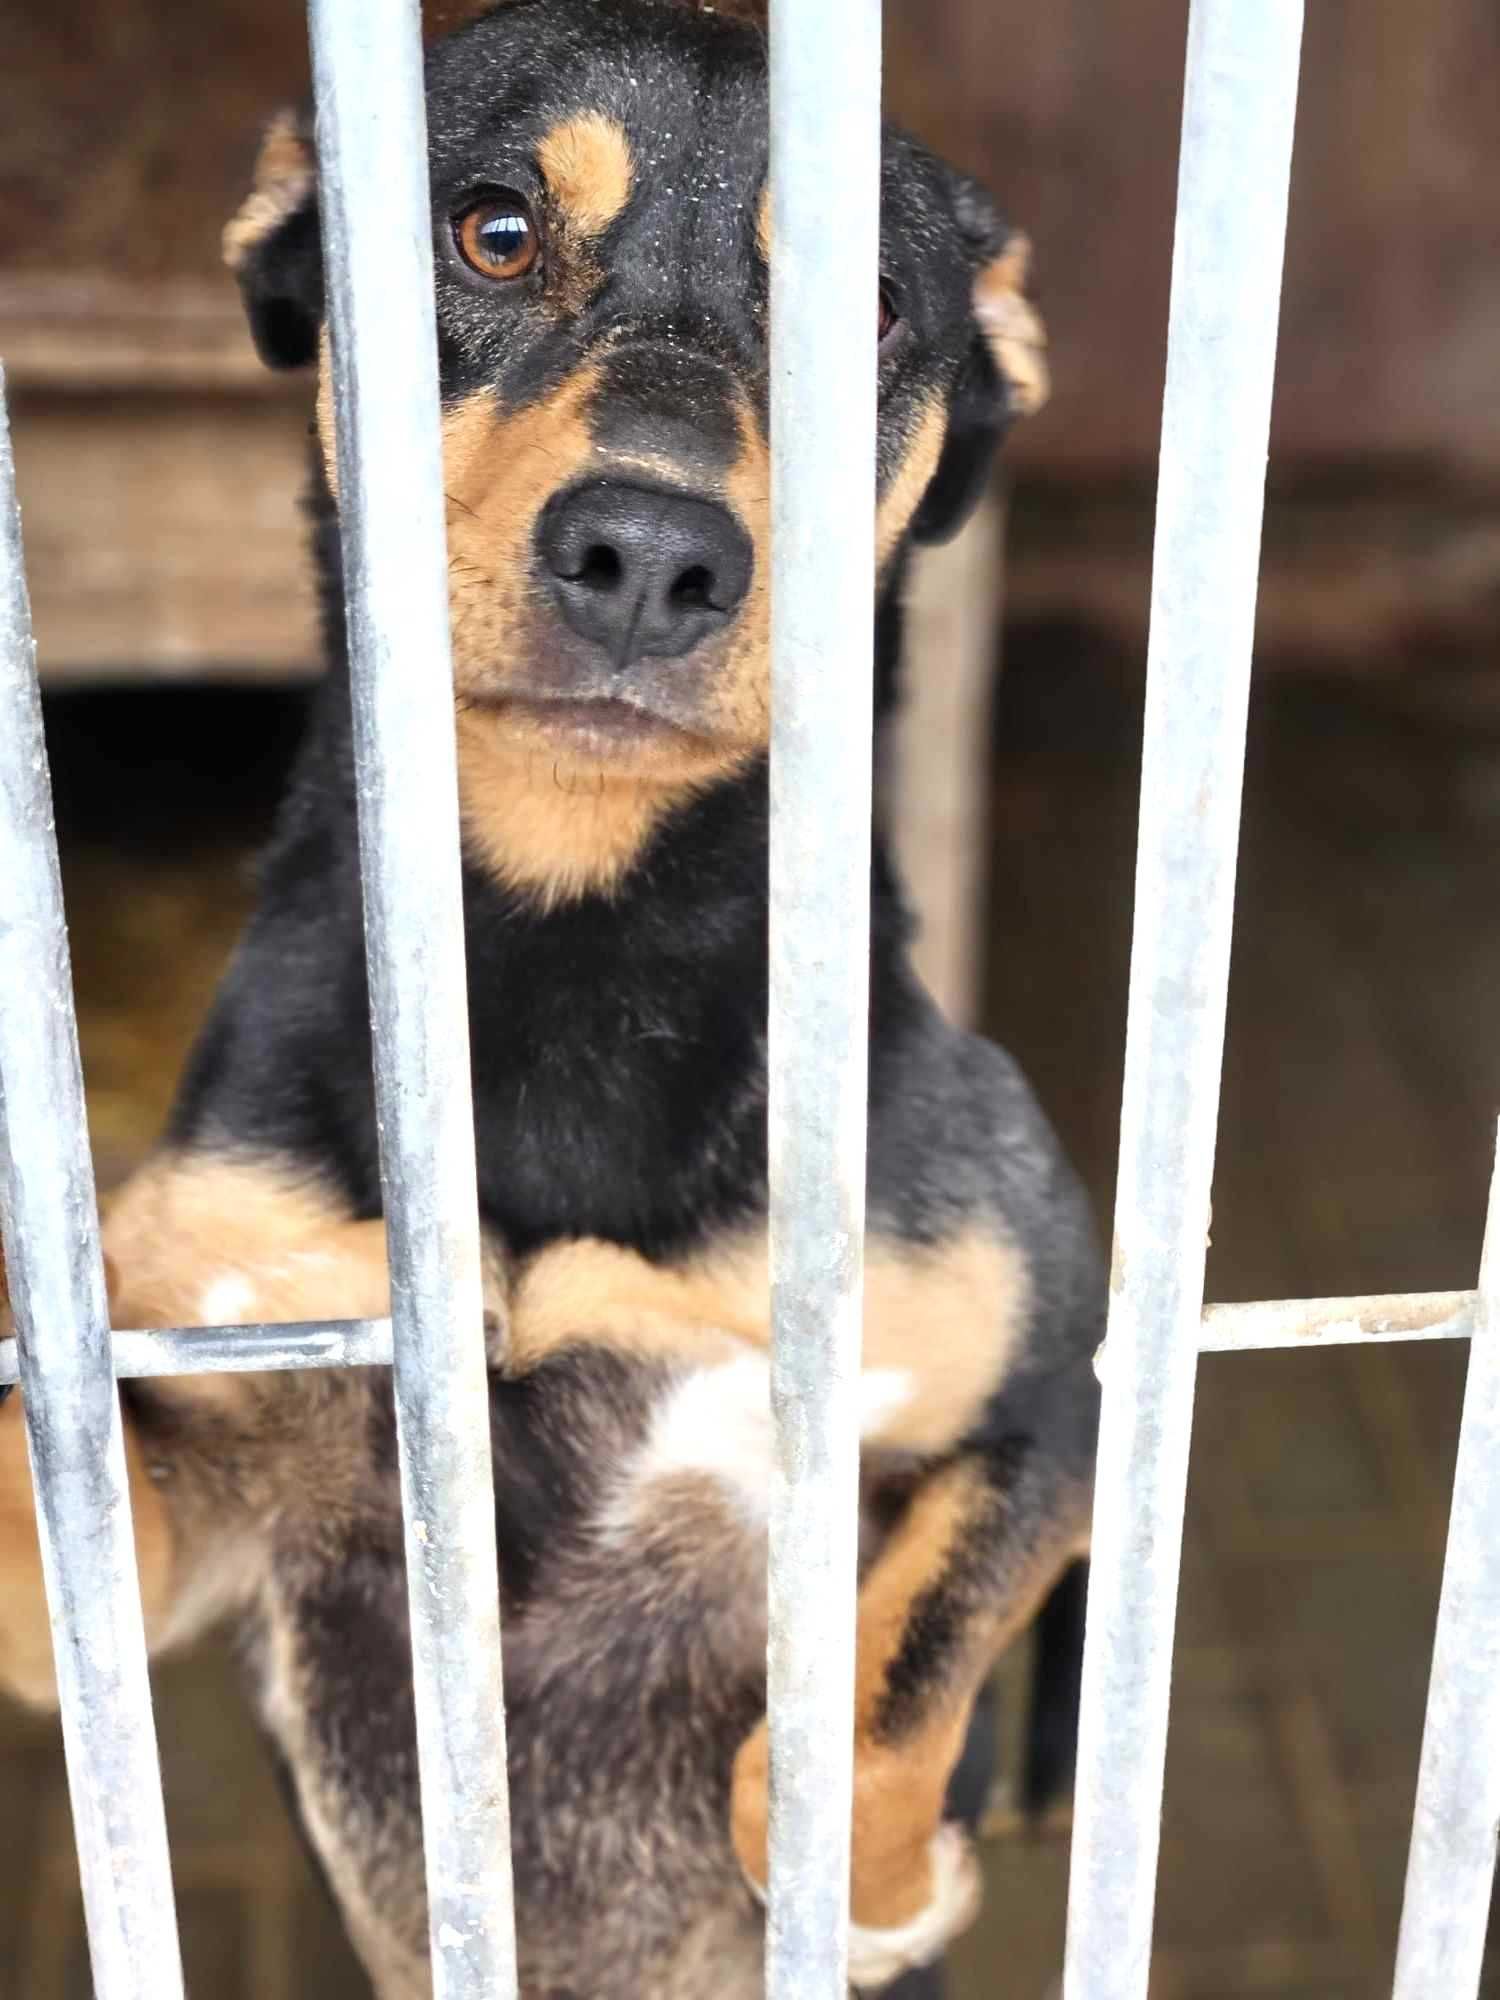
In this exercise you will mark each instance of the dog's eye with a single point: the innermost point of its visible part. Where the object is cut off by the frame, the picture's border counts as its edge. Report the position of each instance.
(888, 315)
(498, 237)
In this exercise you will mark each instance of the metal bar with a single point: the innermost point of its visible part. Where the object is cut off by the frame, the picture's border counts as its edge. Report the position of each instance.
(366, 1343)
(1337, 1322)
(825, 160)
(239, 1350)
(1451, 1868)
(1239, 102)
(377, 238)
(72, 1413)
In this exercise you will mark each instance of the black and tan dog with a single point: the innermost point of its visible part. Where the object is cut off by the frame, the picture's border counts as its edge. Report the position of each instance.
(599, 221)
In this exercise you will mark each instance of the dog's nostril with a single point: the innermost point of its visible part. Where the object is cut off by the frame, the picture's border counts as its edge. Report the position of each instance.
(602, 568)
(694, 589)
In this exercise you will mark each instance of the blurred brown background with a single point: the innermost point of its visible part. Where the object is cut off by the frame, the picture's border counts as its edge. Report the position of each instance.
(159, 469)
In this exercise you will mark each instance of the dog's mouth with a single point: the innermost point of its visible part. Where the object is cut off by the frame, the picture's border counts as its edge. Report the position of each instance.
(548, 696)
(609, 725)
(595, 728)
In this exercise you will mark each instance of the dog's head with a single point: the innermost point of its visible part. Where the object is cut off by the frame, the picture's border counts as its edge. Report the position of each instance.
(600, 230)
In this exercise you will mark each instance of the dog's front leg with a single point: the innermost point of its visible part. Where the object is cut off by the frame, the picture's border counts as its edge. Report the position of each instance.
(981, 1544)
(26, 1668)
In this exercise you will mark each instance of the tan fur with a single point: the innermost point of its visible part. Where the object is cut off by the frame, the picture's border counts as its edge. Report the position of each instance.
(323, 412)
(951, 1316)
(285, 175)
(192, 1231)
(25, 1638)
(500, 468)
(1013, 327)
(763, 225)
(900, 1782)
(587, 164)
(904, 490)
(552, 832)
(742, 689)
(189, 1222)
(898, 1798)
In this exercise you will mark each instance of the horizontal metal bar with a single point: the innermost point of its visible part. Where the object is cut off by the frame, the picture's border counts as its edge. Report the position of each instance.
(825, 161)
(1337, 1322)
(239, 1350)
(72, 1412)
(375, 206)
(1238, 105)
(1451, 1868)
(366, 1343)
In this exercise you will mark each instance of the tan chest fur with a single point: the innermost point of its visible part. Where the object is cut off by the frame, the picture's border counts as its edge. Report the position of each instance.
(945, 1320)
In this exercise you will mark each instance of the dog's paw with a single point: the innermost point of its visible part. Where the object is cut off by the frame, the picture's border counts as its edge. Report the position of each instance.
(879, 1955)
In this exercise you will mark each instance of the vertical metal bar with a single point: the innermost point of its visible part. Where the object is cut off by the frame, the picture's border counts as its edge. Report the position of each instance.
(825, 161)
(1238, 116)
(377, 236)
(1451, 1868)
(73, 1426)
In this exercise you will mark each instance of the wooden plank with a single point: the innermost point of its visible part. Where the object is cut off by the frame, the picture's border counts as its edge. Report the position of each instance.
(91, 333)
(162, 536)
(940, 755)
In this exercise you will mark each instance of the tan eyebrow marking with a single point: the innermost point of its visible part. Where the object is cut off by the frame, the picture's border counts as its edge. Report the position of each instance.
(589, 169)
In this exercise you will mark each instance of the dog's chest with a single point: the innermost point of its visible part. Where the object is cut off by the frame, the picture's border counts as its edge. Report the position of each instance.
(712, 1427)
(603, 1108)
(943, 1323)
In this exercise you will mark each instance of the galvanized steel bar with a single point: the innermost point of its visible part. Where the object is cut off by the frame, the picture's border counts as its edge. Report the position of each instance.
(1451, 1868)
(1337, 1322)
(72, 1412)
(825, 162)
(239, 1350)
(366, 1343)
(1238, 110)
(377, 238)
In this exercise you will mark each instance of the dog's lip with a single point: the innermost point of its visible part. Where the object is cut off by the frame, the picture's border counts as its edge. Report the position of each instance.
(605, 723)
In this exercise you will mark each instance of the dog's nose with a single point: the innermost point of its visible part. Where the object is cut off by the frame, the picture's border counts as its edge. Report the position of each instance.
(643, 572)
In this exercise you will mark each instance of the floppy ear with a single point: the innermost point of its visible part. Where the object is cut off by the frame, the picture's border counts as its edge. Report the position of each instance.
(272, 246)
(1004, 373)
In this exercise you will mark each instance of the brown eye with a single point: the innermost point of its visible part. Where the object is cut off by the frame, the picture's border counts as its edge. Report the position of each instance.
(888, 314)
(498, 237)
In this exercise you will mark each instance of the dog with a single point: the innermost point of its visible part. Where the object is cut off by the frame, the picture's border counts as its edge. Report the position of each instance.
(601, 234)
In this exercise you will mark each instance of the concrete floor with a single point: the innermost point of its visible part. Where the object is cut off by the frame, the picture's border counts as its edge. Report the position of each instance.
(1362, 1079)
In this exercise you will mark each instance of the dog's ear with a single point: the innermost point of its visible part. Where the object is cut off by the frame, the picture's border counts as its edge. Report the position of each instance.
(271, 245)
(1004, 373)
